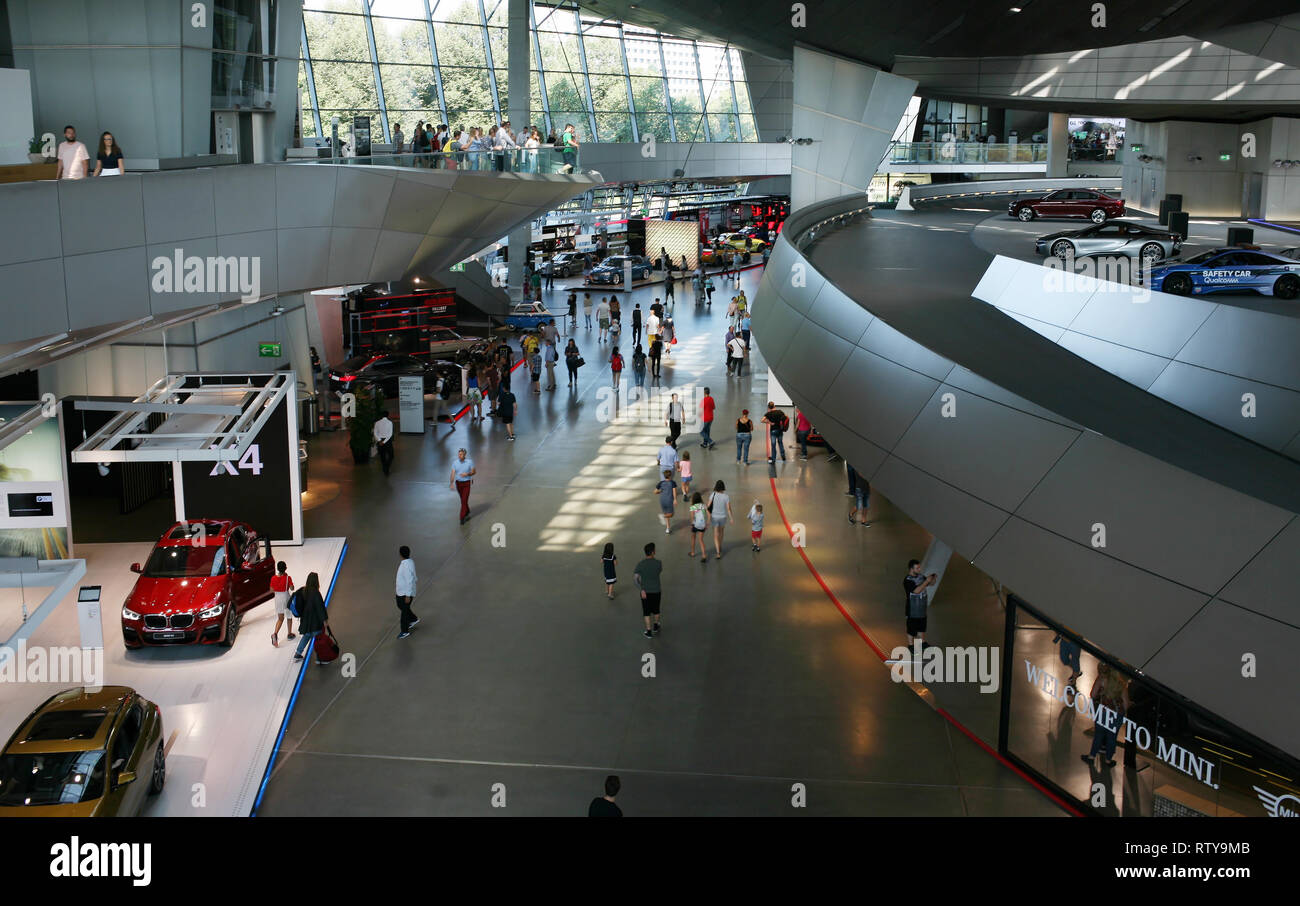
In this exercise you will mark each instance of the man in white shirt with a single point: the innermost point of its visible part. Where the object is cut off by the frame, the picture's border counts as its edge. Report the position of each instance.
(73, 157)
(738, 353)
(384, 440)
(602, 317)
(406, 591)
(651, 327)
(502, 143)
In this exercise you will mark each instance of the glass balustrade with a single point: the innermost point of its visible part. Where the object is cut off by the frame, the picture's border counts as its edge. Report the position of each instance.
(516, 160)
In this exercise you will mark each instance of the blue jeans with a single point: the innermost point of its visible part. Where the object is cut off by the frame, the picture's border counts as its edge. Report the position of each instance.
(742, 446)
(778, 443)
(306, 639)
(640, 376)
(706, 430)
(1104, 741)
(587, 315)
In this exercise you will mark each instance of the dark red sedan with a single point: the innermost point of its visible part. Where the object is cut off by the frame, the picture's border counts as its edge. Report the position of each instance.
(199, 580)
(1094, 206)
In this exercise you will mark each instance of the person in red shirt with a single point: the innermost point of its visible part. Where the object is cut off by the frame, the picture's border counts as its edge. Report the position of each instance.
(802, 428)
(282, 586)
(706, 421)
(616, 366)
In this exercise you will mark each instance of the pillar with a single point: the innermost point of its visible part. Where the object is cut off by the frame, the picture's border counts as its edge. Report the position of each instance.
(518, 47)
(1058, 145)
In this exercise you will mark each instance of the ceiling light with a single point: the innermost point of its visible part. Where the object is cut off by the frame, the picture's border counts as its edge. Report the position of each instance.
(1014, 9)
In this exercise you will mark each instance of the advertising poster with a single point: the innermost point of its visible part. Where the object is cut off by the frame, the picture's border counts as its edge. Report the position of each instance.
(361, 136)
(33, 509)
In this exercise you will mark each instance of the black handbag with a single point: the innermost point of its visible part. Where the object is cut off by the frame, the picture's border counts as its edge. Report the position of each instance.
(581, 361)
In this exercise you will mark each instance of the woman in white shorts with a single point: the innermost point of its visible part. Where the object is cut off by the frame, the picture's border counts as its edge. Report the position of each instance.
(281, 588)
(720, 515)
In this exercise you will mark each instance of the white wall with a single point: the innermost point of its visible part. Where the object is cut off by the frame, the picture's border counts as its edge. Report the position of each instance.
(224, 342)
(1212, 187)
(15, 115)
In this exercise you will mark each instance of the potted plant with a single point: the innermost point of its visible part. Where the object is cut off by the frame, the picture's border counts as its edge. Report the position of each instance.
(36, 150)
(361, 430)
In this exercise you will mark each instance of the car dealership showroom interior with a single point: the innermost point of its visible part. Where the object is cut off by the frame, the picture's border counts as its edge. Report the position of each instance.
(390, 341)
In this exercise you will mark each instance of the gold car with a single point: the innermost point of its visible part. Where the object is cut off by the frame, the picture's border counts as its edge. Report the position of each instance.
(84, 754)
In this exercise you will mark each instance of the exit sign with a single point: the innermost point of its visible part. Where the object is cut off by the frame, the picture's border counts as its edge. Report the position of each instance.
(268, 350)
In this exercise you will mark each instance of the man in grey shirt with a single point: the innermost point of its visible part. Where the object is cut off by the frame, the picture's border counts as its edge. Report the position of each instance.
(647, 575)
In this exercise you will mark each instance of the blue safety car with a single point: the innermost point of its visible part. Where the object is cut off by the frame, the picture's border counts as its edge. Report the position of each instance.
(1229, 270)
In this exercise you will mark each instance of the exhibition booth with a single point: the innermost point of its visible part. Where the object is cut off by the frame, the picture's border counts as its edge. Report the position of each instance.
(198, 571)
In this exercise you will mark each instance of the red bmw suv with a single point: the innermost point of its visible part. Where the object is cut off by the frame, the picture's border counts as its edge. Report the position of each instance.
(1095, 206)
(199, 580)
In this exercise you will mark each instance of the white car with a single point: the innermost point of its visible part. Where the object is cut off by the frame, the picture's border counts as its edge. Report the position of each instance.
(443, 341)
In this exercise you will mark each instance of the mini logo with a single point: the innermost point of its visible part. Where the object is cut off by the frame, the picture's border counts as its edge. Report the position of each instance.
(1277, 804)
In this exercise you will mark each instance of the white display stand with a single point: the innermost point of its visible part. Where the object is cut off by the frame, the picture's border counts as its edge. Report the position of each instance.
(410, 404)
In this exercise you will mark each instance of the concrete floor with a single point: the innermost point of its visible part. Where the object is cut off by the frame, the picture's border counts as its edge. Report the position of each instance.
(521, 673)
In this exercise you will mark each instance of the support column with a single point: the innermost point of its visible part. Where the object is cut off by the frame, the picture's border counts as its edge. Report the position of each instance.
(1058, 145)
(517, 84)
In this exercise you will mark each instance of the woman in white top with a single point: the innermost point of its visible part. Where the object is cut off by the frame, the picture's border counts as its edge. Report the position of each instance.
(108, 160)
(720, 514)
(533, 142)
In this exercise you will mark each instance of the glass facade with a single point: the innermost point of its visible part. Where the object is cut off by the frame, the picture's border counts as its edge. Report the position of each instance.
(400, 61)
(1114, 742)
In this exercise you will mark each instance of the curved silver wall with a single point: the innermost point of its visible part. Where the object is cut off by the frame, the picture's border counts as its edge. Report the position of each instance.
(1194, 572)
(77, 255)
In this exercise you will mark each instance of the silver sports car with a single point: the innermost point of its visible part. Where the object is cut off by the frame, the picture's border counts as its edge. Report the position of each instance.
(1116, 237)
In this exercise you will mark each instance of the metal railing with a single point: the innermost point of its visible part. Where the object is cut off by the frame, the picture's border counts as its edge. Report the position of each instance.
(966, 153)
(516, 160)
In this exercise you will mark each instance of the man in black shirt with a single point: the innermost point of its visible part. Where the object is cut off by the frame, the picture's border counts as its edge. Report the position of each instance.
(777, 422)
(918, 601)
(603, 806)
(636, 324)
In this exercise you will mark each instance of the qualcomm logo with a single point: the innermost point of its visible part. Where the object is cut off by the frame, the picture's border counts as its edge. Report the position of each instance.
(1277, 806)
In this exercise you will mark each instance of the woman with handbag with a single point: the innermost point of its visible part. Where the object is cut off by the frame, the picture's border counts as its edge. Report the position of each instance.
(312, 616)
(572, 361)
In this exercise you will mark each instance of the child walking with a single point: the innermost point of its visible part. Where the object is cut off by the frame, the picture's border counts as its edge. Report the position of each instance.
(667, 491)
(756, 524)
(699, 523)
(684, 466)
(608, 562)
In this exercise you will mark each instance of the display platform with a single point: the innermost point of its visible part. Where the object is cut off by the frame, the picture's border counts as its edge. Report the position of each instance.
(222, 708)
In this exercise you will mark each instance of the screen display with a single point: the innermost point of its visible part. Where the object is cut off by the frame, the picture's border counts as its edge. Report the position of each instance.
(88, 593)
(30, 504)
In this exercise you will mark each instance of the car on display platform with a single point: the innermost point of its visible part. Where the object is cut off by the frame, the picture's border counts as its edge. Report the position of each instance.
(563, 264)
(1115, 237)
(383, 370)
(527, 315)
(742, 242)
(199, 580)
(715, 255)
(445, 342)
(1229, 270)
(610, 271)
(1095, 206)
(84, 754)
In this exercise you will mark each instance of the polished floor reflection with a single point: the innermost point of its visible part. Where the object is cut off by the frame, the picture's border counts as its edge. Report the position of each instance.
(522, 673)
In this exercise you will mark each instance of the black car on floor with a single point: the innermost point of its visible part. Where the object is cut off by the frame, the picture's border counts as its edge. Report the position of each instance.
(364, 371)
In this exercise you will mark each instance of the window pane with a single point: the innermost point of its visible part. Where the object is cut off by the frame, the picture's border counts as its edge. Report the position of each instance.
(402, 41)
(565, 92)
(614, 127)
(409, 87)
(648, 94)
(608, 93)
(723, 128)
(748, 129)
(351, 6)
(409, 9)
(602, 52)
(460, 45)
(331, 37)
(466, 89)
(643, 57)
(344, 85)
(559, 51)
(654, 123)
(500, 51)
(454, 10)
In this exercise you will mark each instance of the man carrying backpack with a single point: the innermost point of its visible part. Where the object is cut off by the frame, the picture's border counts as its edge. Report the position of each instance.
(777, 424)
